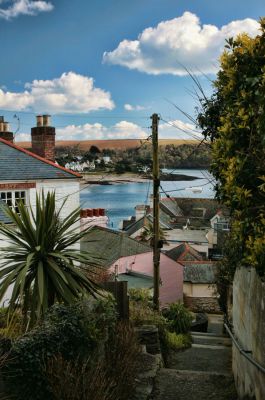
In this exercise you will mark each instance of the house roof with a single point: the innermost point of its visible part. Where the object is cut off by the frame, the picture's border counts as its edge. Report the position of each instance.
(200, 272)
(189, 235)
(111, 245)
(189, 207)
(137, 280)
(20, 164)
(184, 252)
(171, 207)
(135, 226)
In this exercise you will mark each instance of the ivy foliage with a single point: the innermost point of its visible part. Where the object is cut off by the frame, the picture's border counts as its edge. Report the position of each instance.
(234, 120)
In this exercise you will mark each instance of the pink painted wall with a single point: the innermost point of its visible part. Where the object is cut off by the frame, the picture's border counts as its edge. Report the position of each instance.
(171, 274)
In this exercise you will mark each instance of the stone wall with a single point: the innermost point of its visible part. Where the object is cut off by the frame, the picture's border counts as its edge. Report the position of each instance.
(202, 304)
(249, 329)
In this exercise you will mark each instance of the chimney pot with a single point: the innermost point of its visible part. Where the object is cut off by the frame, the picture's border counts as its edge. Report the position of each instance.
(5, 130)
(46, 120)
(6, 127)
(39, 119)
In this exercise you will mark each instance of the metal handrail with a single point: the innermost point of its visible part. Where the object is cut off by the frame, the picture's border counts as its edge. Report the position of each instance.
(243, 352)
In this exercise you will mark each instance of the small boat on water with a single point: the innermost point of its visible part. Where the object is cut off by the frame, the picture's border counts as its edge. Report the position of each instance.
(195, 189)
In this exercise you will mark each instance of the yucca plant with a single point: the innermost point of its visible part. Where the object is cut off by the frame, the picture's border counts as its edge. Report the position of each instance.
(40, 263)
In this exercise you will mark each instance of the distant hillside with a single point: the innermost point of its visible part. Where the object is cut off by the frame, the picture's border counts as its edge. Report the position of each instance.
(110, 144)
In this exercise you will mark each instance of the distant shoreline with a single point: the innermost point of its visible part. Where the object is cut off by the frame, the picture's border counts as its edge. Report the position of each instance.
(112, 179)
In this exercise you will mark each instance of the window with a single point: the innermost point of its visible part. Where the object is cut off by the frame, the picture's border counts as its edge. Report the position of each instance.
(13, 198)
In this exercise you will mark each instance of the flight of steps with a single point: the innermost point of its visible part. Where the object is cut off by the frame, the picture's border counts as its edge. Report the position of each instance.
(202, 372)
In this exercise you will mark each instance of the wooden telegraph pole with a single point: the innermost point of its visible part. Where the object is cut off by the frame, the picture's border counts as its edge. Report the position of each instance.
(156, 185)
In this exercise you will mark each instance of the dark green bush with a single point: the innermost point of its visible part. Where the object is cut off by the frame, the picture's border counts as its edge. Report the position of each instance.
(179, 318)
(73, 332)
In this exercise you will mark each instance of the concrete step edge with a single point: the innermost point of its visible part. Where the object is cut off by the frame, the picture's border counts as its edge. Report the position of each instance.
(210, 346)
(209, 334)
(199, 373)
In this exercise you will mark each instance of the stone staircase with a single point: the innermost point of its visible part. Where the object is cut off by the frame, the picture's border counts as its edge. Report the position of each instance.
(202, 372)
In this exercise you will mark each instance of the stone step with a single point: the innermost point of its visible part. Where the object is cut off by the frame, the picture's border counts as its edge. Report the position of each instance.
(212, 340)
(202, 358)
(173, 384)
(209, 334)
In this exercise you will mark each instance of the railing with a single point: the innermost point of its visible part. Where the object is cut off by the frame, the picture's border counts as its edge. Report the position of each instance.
(243, 352)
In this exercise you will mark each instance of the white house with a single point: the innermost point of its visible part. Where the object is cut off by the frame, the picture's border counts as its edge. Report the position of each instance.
(24, 173)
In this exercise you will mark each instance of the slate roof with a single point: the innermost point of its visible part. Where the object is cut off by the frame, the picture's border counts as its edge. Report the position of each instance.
(189, 205)
(111, 245)
(140, 223)
(20, 164)
(200, 272)
(184, 252)
(171, 207)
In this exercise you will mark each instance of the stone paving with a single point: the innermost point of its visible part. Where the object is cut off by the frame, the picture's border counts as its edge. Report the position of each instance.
(202, 372)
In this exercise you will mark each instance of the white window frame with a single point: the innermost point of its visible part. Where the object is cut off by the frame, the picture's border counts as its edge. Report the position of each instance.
(11, 197)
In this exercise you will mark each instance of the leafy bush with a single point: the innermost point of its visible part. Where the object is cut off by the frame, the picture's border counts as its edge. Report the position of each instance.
(177, 342)
(179, 318)
(73, 332)
(141, 295)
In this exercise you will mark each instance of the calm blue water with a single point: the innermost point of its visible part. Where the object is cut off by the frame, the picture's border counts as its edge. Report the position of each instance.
(120, 199)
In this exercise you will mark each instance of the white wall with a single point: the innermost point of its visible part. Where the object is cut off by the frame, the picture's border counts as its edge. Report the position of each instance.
(64, 189)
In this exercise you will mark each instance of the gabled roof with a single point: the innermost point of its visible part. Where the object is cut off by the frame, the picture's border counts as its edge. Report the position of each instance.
(171, 207)
(20, 164)
(144, 221)
(184, 252)
(108, 245)
(200, 272)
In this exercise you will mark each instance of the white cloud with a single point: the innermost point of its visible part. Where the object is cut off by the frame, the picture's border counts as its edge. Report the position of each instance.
(97, 131)
(174, 129)
(177, 129)
(24, 7)
(178, 42)
(71, 93)
(129, 107)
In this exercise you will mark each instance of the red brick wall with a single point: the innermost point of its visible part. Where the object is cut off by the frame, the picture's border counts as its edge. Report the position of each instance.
(43, 141)
(19, 186)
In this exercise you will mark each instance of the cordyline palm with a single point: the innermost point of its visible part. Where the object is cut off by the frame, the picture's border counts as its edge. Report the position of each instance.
(40, 262)
(147, 234)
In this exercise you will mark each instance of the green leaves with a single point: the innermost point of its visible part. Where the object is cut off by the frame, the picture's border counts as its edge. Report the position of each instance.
(43, 263)
(234, 119)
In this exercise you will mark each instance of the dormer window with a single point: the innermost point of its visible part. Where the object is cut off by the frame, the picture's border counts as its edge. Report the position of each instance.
(12, 198)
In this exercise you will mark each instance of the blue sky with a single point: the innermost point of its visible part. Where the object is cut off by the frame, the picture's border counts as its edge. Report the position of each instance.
(102, 68)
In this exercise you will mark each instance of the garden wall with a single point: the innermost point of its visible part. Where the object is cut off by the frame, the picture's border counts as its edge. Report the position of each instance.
(249, 329)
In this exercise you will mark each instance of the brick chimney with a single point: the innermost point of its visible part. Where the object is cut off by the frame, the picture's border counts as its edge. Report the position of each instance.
(5, 131)
(43, 138)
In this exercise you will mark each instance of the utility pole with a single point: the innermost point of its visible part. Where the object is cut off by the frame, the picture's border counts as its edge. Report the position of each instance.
(156, 185)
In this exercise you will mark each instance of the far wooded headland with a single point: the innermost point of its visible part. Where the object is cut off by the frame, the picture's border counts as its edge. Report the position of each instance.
(112, 144)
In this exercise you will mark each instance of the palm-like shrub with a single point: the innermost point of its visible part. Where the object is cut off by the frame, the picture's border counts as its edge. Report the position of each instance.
(41, 262)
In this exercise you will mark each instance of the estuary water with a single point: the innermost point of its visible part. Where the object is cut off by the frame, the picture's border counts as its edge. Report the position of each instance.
(120, 199)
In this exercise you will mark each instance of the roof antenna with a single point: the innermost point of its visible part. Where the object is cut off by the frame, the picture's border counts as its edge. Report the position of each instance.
(18, 124)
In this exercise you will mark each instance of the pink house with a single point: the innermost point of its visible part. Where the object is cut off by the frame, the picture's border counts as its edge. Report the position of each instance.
(171, 274)
(129, 259)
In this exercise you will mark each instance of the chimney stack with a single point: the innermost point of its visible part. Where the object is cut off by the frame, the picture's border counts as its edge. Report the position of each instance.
(5, 130)
(43, 138)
